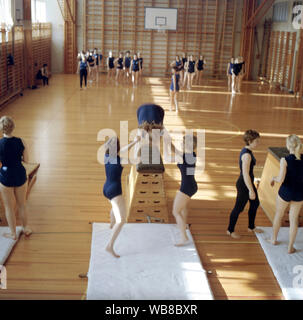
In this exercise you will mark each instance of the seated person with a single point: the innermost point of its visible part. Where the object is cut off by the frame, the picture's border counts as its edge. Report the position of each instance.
(45, 74)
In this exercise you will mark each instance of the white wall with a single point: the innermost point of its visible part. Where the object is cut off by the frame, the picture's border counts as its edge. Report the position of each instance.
(54, 16)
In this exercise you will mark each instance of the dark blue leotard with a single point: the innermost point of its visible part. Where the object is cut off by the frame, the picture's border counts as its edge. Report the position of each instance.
(96, 56)
(200, 65)
(187, 168)
(141, 62)
(238, 68)
(127, 62)
(184, 60)
(91, 61)
(252, 164)
(177, 83)
(150, 113)
(179, 65)
(231, 66)
(120, 63)
(112, 187)
(111, 62)
(12, 173)
(292, 187)
(191, 66)
(243, 195)
(83, 65)
(136, 65)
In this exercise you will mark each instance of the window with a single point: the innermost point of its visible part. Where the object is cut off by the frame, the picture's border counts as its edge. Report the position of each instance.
(280, 12)
(6, 13)
(38, 11)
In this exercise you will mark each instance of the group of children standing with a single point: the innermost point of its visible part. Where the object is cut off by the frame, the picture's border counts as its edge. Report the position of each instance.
(122, 69)
(184, 70)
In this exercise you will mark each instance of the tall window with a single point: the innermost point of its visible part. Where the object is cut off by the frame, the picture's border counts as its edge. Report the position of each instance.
(39, 11)
(6, 13)
(281, 12)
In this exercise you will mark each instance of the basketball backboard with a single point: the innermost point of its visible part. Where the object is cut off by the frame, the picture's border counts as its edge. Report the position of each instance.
(161, 18)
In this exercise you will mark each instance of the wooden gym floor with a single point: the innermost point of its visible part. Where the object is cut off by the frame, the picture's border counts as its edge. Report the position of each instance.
(60, 124)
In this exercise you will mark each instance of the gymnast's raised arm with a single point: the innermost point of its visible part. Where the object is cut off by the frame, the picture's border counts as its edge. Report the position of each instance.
(126, 148)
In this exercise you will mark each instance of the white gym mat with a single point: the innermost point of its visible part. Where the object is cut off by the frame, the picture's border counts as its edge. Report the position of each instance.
(287, 268)
(6, 245)
(150, 267)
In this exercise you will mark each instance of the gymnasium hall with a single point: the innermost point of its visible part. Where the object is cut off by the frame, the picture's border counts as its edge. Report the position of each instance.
(220, 80)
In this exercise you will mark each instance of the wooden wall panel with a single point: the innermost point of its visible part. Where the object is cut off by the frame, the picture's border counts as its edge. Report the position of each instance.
(204, 27)
(69, 13)
(298, 82)
(281, 57)
(13, 78)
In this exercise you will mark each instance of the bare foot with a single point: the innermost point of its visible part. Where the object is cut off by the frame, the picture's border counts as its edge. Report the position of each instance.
(233, 235)
(292, 250)
(10, 236)
(273, 242)
(27, 231)
(111, 251)
(183, 242)
(256, 230)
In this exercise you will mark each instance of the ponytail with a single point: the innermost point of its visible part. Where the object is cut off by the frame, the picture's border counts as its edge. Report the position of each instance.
(298, 150)
(294, 144)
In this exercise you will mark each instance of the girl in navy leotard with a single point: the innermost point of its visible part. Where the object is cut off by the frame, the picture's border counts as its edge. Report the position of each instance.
(246, 190)
(110, 65)
(141, 64)
(241, 67)
(184, 61)
(179, 64)
(200, 68)
(13, 179)
(98, 62)
(83, 68)
(92, 64)
(188, 184)
(135, 68)
(174, 88)
(229, 73)
(119, 68)
(190, 68)
(238, 71)
(112, 188)
(127, 63)
(291, 190)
